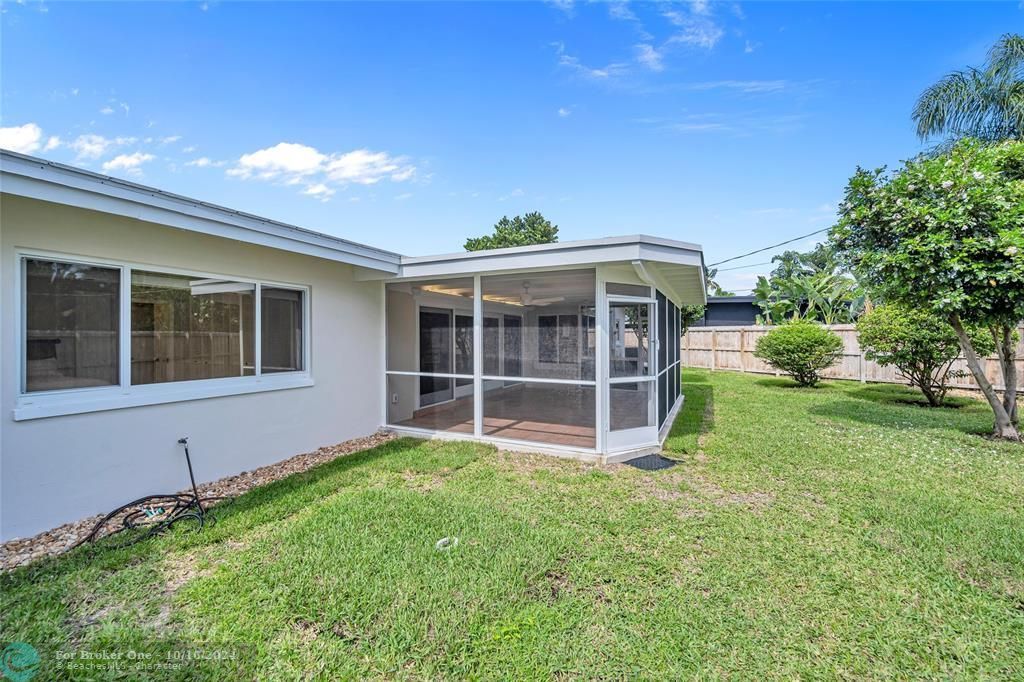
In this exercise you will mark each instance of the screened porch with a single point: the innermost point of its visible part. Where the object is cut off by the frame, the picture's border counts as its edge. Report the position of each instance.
(583, 359)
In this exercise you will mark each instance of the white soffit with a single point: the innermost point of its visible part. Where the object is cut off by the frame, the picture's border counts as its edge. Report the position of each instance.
(35, 178)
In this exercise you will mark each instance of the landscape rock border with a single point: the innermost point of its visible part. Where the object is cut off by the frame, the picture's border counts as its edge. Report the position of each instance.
(22, 551)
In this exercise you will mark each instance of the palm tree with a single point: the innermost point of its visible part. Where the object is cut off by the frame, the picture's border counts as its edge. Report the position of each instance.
(986, 103)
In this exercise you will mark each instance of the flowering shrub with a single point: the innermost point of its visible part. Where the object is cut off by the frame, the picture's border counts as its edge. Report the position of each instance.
(946, 235)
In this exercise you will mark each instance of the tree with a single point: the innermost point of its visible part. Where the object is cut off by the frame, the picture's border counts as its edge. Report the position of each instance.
(919, 344)
(985, 103)
(688, 314)
(713, 287)
(533, 228)
(945, 234)
(800, 348)
(828, 297)
(822, 258)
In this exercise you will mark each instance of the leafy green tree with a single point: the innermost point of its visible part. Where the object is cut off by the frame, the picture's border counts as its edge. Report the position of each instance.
(533, 228)
(985, 103)
(713, 287)
(945, 234)
(821, 258)
(828, 297)
(688, 314)
(800, 348)
(920, 345)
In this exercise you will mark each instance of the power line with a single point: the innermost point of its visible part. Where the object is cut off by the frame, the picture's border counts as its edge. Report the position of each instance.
(740, 267)
(773, 246)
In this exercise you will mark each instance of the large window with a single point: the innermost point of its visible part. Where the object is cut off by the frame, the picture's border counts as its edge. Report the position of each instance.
(178, 327)
(72, 314)
(186, 328)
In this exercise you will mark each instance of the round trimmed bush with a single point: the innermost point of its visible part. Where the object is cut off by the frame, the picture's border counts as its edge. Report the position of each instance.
(800, 348)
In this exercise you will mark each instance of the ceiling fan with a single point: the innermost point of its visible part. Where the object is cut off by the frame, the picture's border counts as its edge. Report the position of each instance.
(526, 298)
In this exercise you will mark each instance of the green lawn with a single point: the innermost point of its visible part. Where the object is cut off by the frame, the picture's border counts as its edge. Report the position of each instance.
(829, 532)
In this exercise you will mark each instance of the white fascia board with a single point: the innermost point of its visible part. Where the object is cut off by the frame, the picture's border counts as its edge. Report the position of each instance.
(550, 256)
(46, 181)
(557, 246)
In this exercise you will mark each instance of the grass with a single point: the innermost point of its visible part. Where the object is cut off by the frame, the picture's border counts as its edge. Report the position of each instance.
(836, 532)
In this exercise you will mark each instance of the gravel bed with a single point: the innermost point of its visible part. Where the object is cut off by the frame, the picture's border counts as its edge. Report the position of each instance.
(21, 551)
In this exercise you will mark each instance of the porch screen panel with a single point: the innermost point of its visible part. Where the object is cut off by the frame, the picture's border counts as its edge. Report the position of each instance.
(543, 390)
(430, 353)
(545, 322)
(662, 332)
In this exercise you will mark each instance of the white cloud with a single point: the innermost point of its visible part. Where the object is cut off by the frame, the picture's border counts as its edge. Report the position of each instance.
(621, 11)
(572, 63)
(700, 7)
(170, 139)
(367, 168)
(746, 87)
(107, 110)
(204, 162)
(700, 34)
(517, 192)
(564, 113)
(52, 143)
(93, 146)
(284, 158)
(563, 5)
(320, 191)
(404, 197)
(697, 29)
(189, 149)
(291, 164)
(24, 139)
(649, 57)
(129, 163)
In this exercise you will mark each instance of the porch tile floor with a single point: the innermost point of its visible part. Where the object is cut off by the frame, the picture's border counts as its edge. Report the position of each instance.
(548, 414)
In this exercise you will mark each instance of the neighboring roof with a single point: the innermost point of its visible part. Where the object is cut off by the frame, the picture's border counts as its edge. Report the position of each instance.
(56, 182)
(731, 299)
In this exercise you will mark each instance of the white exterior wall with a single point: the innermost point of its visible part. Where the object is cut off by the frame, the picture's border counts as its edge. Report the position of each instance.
(59, 469)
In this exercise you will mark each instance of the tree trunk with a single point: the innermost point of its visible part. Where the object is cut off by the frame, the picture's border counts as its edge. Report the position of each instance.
(1004, 428)
(1006, 359)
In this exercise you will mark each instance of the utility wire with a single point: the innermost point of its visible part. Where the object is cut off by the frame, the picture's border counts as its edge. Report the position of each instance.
(773, 246)
(741, 267)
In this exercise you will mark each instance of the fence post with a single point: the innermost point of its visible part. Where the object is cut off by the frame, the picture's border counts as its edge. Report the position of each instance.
(743, 349)
(714, 348)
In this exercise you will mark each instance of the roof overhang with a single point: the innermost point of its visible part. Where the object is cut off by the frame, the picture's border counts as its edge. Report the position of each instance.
(676, 268)
(34, 178)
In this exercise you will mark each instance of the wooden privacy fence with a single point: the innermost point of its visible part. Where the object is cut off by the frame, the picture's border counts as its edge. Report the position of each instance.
(732, 348)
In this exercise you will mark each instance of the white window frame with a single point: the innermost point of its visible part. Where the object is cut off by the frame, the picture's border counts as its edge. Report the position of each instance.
(40, 404)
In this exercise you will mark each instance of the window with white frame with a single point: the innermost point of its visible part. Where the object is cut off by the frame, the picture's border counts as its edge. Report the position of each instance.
(71, 317)
(179, 326)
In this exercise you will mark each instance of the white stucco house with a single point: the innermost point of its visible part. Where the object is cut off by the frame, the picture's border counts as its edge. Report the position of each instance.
(130, 317)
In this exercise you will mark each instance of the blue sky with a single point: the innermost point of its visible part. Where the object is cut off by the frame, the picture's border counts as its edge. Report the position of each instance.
(412, 126)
